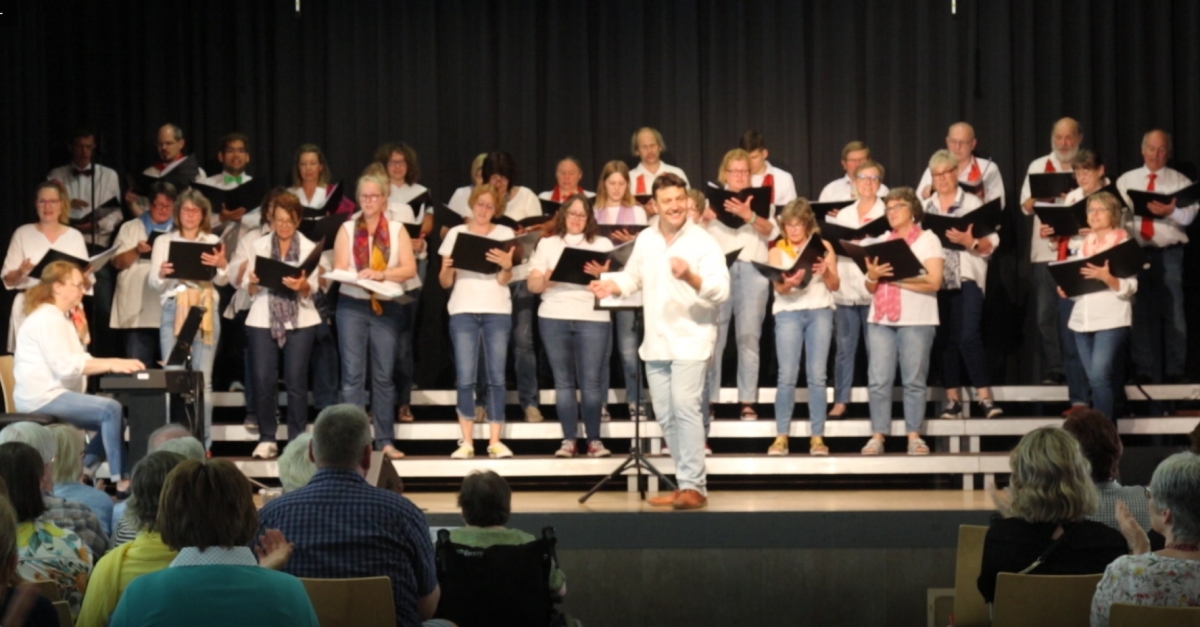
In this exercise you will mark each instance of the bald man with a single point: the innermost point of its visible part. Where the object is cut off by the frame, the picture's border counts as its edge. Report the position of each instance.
(972, 170)
(172, 166)
(1158, 340)
(567, 175)
(1057, 340)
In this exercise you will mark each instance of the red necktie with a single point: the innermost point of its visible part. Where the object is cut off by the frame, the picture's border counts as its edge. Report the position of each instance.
(1050, 167)
(769, 181)
(160, 166)
(1147, 223)
(641, 185)
(974, 174)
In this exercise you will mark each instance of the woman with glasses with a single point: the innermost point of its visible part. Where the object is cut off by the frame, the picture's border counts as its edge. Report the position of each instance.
(748, 297)
(281, 321)
(576, 336)
(852, 298)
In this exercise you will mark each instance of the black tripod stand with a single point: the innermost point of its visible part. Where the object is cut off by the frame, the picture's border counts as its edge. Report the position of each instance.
(637, 459)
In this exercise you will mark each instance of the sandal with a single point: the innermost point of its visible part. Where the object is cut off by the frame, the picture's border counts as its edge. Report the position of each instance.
(917, 446)
(404, 414)
(392, 453)
(748, 413)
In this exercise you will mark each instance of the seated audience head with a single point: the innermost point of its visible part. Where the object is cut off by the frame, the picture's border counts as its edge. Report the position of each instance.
(400, 162)
(146, 487)
(1175, 498)
(21, 469)
(310, 164)
(500, 171)
(52, 203)
(38, 437)
(189, 447)
(166, 433)
(170, 142)
(68, 453)
(1051, 480)
(341, 438)
(295, 467)
(206, 504)
(1098, 440)
(647, 144)
(1195, 435)
(485, 499)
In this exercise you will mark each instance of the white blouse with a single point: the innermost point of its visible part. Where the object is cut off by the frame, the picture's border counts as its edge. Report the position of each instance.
(567, 301)
(162, 252)
(973, 264)
(1107, 309)
(353, 291)
(815, 295)
(474, 292)
(916, 308)
(260, 309)
(135, 305)
(853, 290)
(49, 359)
(29, 243)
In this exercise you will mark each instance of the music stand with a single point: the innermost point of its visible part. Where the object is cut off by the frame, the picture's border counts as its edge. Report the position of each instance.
(181, 359)
(636, 459)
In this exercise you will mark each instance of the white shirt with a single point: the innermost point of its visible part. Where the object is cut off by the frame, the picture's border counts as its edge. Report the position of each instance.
(522, 203)
(549, 195)
(1107, 309)
(135, 305)
(993, 185)
(458, 201)
(161, 252)
(783, 190)
(853, 289)
(400, 209)
(353, 291)
(245, 249)
(754, 245)
(567, 301)
(642, 179)
(1041, 249)
(1170, 230)
(844, 189)
(318, 200)
(474, 292)
(260, 309)
(610, 215)
(49, 359)
(973, 264)
(680, 321)
(915, 308)
(815, 295)
(107, 185)
(29, 243)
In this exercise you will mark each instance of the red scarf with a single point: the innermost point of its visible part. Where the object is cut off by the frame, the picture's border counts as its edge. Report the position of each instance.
(974, 174)
(372, 253)
(769, 181)
(641, 185)
(887, 295)
(556, 196)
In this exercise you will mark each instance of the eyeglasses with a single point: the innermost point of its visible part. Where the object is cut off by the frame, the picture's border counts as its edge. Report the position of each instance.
(284, 221)
(868, 177)
(898, 206)
(73, 284)
(577, 216)
(47, 203)
(959, 143)
(370, 197)
(738, 171)
(943, 173)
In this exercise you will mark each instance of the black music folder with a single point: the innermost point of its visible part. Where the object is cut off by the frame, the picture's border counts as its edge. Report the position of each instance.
(549, 207)
(271, 273)
(248, 195)
(821, 209)
(444, 216)
(813, 252)
(1066, 220)
(905, 264)
(731, 257)
(972, 188)
(470, 252)
(607, 230)
(1051, 184)
(760, 203)
(333, 198)
(1124, 260)
(184, 257)
(322, 229)
(569, 268)
(642, 199)
(523, 223)
(420, 204)
(150, 237)
(414, 230)
(57, 255)
(835, 233)
(1184, 197)
(984, 221)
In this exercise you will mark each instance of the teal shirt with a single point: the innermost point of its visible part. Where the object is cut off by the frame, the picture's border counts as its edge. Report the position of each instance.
(230, 596)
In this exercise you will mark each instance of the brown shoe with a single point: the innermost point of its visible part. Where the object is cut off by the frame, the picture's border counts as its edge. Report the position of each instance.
(664, 501)
(690, 499)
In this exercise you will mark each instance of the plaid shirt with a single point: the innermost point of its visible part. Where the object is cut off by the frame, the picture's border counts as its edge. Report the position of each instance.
(1134, 496)
(71, 516)
(343, 527)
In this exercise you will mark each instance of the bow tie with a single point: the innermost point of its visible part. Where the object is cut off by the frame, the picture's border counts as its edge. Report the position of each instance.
(87, 172)
(233, 179)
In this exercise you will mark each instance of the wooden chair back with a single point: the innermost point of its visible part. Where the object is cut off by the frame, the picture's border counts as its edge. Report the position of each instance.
(1126, 615)
(970, 610)
(1044, 600)
(360, 602)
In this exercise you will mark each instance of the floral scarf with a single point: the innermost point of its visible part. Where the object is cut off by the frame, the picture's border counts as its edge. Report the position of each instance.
(283, 306)
(371, 252)
(887, 295)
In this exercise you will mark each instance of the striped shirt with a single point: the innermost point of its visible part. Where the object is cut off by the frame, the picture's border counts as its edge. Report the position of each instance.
(343, 527)
(1134, 496)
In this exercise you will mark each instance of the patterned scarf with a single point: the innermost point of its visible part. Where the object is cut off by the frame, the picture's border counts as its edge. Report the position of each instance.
(952, 273)
(887, 295)
(1094, 245)
(371, 252)
(283, 307)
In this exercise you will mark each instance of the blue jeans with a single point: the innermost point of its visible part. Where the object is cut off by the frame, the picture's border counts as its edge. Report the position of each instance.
(626, 342)
(808, 330)
(910, 347)
(1055, 337)
(1099, 351)
(1078, 391)
(675, 388)
(850, 323)
(524, 311)
(576, 350)
(961, 313)
(363, 335)
(405, 362)
(94, 413)
(747, 304)
(265, 373)
(472, 334)
(324, 367)
(1159, 331)
(203, 356)
(142, 345)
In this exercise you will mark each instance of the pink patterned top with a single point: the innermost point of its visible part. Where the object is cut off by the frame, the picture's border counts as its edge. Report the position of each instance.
(1146, 579)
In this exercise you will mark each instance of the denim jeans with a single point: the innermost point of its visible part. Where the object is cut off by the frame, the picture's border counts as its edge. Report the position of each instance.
(1078, 391)
(265, 372)
(1159, 334)
(471, 335)
(850, 323)
(525, 305)
(324, 367)
(747, 304)
(961, 314)
(94, 413)
(909, 346)
(805, 330)
(203, 355)
(675, 388)
(142, 345)
(405, 362)
(626, 341)
(1054, 341)
(1099, 351)
(576, 350)
(363, 335)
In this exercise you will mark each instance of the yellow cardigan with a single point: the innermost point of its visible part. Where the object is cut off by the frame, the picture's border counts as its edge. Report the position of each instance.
(112, 574)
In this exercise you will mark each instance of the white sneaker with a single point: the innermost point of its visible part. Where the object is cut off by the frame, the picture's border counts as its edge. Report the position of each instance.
(465, 450)
(265, 450)
(874, 447)
(596, 449)
(566, 450)
(665, 451)
(499, 450)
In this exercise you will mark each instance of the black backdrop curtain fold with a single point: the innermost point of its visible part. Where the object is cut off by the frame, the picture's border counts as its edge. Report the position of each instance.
(546, 78)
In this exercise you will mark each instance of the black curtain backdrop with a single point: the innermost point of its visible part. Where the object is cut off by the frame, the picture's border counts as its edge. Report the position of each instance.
(545, 78)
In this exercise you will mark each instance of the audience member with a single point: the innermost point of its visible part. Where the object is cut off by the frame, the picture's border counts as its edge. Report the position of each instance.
(68, 470)
(1047, 534)
(1169, 577)
(1101, 446)
(296, 469)
(175, 438)
(21, 600)
(343, 527)
(142, 552)
(206, 513)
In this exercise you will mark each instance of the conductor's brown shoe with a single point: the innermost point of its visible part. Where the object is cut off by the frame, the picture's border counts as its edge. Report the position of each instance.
(690, 499)
(665, 500)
